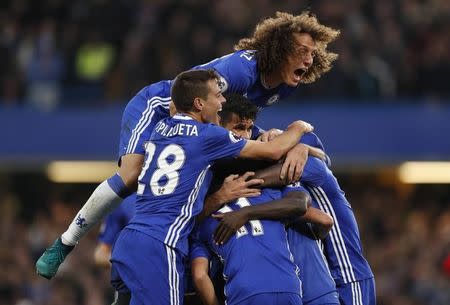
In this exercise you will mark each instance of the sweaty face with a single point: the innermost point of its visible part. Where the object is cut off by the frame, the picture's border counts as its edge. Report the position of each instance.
(212, 104)
(239, 126)
(297, 63)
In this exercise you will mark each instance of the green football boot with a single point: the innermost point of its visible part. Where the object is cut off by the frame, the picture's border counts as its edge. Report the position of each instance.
(48, 264)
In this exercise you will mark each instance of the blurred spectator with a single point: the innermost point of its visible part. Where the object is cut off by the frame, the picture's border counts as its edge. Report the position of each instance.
(44, 70)
(93, 61)
(389, 49)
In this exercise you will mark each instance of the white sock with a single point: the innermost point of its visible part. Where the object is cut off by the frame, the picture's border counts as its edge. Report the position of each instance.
(102, 201)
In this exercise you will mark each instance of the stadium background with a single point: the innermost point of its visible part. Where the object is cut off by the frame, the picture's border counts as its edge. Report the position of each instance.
(68, 68)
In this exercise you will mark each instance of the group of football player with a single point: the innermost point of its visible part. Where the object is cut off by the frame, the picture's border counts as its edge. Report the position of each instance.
(209, 190)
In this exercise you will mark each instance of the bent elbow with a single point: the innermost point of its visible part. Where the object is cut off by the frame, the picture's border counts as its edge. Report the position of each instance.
(328, 222)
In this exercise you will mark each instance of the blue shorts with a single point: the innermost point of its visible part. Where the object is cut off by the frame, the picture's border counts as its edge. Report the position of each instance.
(139, 119)
(331, 298)
(148, 269)
(274, 298)
(358, 293)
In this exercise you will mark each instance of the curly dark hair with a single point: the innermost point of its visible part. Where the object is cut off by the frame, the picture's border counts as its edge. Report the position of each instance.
(273, 41)
(239, 105)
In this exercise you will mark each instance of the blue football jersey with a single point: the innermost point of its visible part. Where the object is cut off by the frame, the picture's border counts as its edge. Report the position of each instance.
(342, 247)
(256, 259)
(117, 220)
(314, 272)
(175, 177)
(143, 111)
(239, 74)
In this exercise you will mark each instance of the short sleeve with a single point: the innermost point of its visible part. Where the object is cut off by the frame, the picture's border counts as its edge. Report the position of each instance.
(197, 248)
(220, 143)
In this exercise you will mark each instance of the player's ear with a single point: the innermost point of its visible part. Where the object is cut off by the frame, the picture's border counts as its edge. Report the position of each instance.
(172, 108)
(198, 103)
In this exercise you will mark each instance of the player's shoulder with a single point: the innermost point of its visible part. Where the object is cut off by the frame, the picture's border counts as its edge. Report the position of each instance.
(244, 60)
(213, 131)
(312, 139)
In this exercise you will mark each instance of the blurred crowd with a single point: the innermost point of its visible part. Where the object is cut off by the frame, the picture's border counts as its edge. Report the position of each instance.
(84, 52)
(405, 232)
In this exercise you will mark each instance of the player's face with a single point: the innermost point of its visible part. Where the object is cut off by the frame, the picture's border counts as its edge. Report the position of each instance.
(300, 61)
(240, 127)
(212, 104)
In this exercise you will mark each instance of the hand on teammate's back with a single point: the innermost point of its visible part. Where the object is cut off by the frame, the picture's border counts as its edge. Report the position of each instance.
(229, 224)
(235, 186)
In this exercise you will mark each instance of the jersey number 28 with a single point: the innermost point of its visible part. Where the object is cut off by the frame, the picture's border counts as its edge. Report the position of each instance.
(166, 169)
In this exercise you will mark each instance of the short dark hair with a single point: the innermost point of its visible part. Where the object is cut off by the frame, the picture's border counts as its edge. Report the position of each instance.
(239, 105)
(189, 85)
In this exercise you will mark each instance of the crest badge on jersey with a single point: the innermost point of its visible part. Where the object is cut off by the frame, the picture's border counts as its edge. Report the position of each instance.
(234, 138)
(273, 99)
(222, 83)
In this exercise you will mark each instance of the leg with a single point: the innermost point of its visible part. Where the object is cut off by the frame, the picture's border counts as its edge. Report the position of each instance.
(151, 271)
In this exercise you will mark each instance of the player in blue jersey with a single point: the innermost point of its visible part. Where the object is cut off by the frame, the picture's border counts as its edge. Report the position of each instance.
(318, 286)
(148, 255)
(350, 270)
(283, 52)
(234, 186)
(258, 268)
(304, 239)
(342, 247)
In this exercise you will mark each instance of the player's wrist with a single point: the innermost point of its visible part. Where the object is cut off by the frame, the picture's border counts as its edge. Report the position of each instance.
(246, 213)
(220, 197)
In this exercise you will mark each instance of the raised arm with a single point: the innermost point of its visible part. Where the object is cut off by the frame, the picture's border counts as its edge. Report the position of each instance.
(277, 148)
(294, 203)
